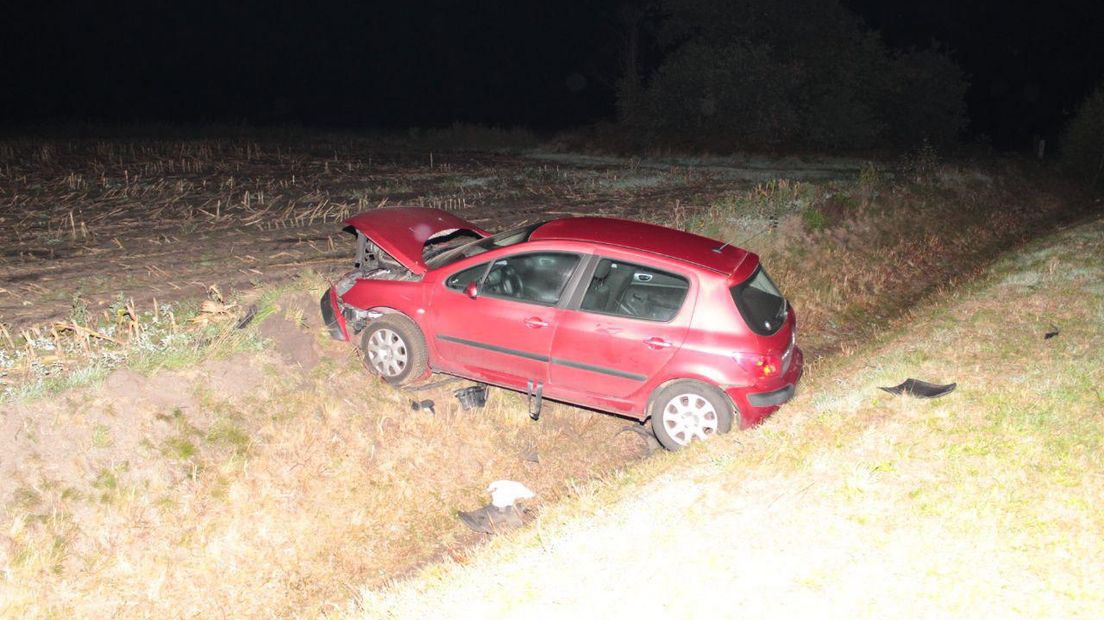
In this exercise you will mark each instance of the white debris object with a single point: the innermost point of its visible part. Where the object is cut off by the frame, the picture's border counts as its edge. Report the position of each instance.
(505, 492)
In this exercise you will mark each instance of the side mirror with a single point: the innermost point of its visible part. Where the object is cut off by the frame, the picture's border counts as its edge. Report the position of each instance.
(472, 289)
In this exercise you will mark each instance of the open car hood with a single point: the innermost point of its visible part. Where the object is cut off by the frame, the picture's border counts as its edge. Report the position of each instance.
(403, 231)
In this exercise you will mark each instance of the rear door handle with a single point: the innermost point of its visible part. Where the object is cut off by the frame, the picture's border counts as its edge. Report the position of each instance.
(656, 343)
(534, 322)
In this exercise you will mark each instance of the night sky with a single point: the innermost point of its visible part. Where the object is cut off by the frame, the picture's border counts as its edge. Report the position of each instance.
(543, 64)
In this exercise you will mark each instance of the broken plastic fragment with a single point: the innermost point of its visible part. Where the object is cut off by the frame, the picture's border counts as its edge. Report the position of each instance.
(505, 492)
(501, 514)
(920, 389)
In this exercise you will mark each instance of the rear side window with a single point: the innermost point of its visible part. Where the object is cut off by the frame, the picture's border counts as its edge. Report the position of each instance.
(634, 291)
(760, 303)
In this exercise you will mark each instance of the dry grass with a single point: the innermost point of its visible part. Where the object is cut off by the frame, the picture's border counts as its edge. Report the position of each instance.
(285, 493)
(853, 503)
(43, 360)
(855, 255)
(250, 489)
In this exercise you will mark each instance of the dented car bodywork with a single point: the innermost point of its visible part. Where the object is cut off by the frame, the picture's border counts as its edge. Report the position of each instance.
(626, 317)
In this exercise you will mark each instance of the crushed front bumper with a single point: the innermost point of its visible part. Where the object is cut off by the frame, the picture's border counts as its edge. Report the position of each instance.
(332, 316)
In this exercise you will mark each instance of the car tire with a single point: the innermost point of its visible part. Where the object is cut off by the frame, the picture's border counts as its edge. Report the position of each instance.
(394, 348)
(685, 411)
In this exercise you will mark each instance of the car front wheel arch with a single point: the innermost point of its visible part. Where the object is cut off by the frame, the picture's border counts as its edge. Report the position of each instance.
(686, 410)
(394, 348)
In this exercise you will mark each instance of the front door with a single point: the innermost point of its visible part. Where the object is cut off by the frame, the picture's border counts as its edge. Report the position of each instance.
(504, 334)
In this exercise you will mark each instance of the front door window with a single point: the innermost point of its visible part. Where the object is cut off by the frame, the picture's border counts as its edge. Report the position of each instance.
(533, 278)
(503, 334)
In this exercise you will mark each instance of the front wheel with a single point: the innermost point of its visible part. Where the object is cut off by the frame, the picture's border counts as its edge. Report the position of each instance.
(394, 349)
(687, 411)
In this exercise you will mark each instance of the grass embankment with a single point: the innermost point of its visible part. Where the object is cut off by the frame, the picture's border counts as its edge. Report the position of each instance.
(852, 502)
(248, 487)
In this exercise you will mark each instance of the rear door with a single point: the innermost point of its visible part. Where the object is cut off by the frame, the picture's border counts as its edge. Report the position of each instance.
(503, 335)
(629, 323)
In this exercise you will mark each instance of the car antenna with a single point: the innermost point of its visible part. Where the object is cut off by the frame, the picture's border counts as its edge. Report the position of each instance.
(745, 241)
(724, 245)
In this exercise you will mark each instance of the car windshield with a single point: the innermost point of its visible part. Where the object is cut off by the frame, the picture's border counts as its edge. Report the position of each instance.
(501, 240)
(760, 303)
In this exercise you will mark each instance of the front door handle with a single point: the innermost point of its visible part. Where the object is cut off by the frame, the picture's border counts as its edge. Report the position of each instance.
(534, 322)
(656, 343)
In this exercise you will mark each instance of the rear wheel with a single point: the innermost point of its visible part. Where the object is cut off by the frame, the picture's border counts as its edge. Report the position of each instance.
(688, 411)
(394, 349)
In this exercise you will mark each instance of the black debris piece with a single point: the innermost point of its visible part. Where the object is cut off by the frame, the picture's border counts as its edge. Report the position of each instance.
(473, 397)
(1054, 331)
(920, 389)
(646, 434)
(535, 394)
(250, 314)
(491, 519)
(423, 405)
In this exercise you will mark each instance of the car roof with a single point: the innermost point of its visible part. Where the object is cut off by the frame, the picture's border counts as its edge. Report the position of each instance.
(687, 247)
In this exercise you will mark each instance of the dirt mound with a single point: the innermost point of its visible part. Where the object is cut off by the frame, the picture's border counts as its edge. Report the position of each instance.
(233, 377)
(294, 345)
(163, 390)
(294, 330)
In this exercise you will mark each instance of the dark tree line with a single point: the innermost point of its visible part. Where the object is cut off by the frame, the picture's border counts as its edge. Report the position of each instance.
(1083, 140)
(784, 72)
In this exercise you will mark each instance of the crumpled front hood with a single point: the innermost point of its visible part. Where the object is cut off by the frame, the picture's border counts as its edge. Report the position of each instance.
(403, 231)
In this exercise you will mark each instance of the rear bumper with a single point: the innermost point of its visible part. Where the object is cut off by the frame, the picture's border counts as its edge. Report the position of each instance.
(755, 406)
(772, 399)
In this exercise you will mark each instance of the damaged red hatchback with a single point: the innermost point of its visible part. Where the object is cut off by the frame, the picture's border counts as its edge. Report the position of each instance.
(626, 317)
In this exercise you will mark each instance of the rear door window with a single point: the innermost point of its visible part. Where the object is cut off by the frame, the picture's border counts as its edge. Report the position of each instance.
(635, 291)
(760, 303)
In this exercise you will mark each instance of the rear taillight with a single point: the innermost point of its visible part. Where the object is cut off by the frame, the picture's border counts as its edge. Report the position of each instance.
(759, 366)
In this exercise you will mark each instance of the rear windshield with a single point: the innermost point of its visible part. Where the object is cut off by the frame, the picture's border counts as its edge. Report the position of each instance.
(760, 303)
(501, 240)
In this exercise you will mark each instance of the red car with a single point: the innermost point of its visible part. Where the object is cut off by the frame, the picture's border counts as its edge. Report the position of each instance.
(626, 317)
